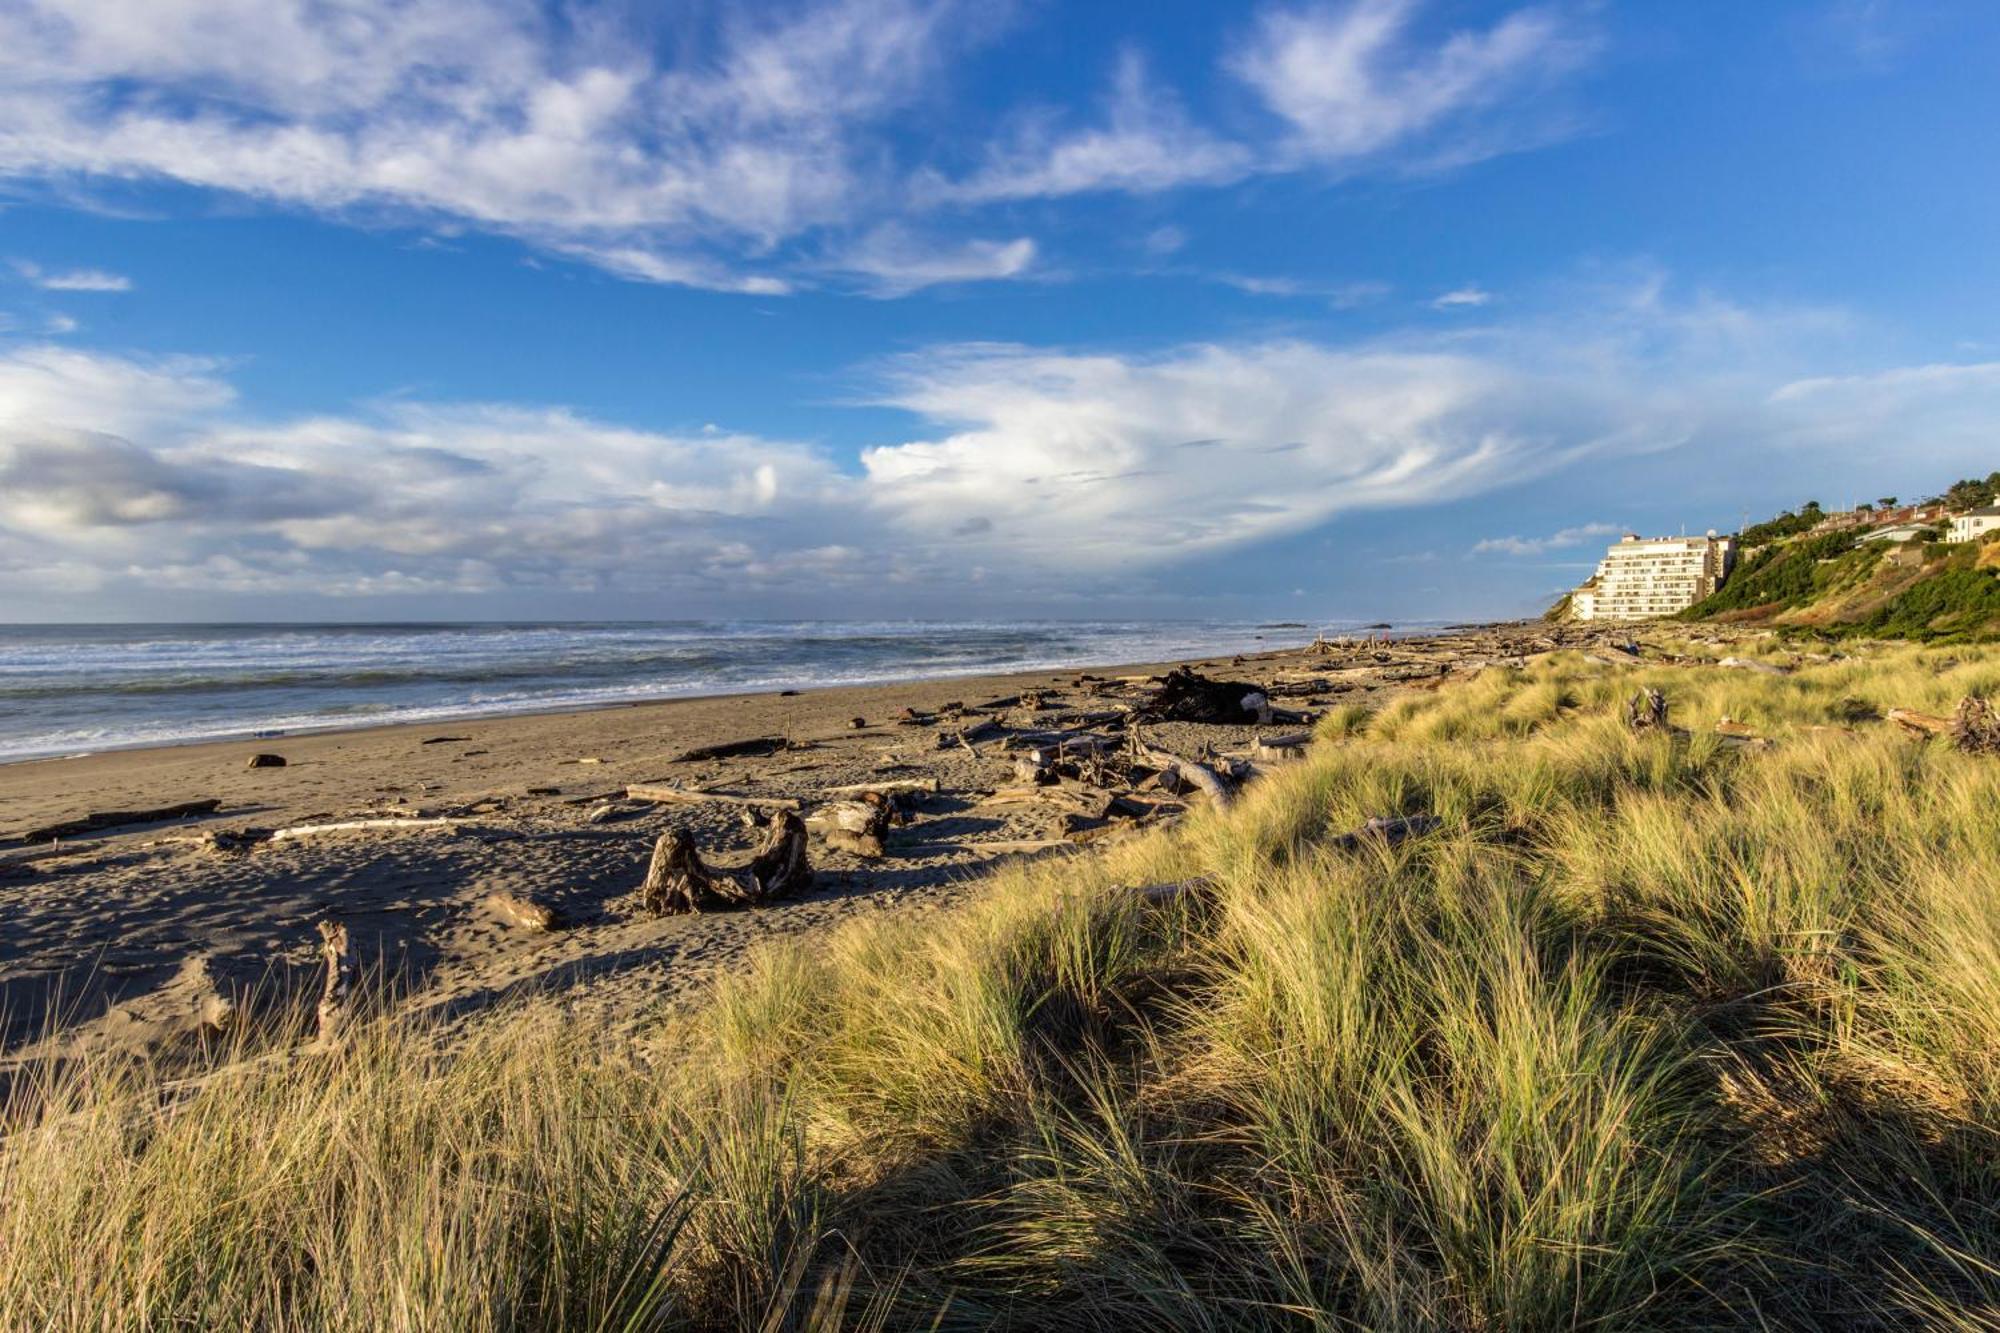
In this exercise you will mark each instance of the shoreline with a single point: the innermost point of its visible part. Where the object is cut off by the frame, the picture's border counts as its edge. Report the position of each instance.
(444, 714)
(278, 736)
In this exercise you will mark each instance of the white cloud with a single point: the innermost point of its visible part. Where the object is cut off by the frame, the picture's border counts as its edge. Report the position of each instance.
(1049, 469)
(571, 126)
(1461, 298)
(1147, 143)
(1352, 82)
(893, 262)
(72, 280)
(736, 154)
(1555, 541)
(1118, 462)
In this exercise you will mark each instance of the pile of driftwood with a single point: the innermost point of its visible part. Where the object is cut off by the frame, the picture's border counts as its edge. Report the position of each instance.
(1095, 770)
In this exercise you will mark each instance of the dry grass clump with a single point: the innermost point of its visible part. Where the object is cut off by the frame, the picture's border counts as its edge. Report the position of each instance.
(1655, 1033)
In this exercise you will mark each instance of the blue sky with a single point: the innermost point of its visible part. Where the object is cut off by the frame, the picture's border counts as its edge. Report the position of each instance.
(498, 308)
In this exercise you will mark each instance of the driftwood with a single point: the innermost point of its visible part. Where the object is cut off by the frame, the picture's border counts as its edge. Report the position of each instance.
(1911, 720)
(978, 731)
(683, 796)
(921, 785)
(756, 745)
(1975, 727)
(1746, 664)
(1002, 847)
(1199, 776)
(866, 845)
(337, 995)
(1173, 890)
(1388, 832)
(781, 869)
(523, 912)
(1187, 696)
(678, 881)
(99, 821)
(1287, 746)
(370, 825)
(853, 816)
(1646, 711)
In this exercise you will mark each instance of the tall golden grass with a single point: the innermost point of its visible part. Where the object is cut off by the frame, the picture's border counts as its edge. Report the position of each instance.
(1655, 1033)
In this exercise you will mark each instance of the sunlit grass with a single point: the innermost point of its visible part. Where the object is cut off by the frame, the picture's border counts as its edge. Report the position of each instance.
(1655, 1032)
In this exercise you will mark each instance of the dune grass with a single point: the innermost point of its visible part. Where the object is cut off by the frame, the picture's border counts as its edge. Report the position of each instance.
(1655, 1033)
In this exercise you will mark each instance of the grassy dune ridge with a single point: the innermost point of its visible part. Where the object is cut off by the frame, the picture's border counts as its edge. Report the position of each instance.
(1654, 1033)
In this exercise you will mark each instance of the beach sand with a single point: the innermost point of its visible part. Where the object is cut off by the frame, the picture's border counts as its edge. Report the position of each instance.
(112, 944)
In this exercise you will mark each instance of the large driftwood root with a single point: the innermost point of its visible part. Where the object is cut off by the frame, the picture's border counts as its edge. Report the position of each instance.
(678, 880)
(1975, 726)
(1188, 696)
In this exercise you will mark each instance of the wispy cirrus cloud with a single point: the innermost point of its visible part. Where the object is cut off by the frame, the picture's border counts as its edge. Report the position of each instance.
(1462, 298)
(1353, 86)
(758, 152)
(1580, 535)
(71, 280)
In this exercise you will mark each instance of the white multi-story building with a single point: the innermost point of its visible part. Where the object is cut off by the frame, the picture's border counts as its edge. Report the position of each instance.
(1974, 524)
(1644, 577)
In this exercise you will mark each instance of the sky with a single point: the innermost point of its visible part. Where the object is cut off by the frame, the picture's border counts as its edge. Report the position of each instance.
(974, 309)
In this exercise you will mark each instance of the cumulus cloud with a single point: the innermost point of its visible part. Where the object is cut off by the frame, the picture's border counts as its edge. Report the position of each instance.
(72, 280)
(1555, 541)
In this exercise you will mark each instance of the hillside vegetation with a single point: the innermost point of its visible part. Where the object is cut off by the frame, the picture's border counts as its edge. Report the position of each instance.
(1833, 585)
(1651, 1033)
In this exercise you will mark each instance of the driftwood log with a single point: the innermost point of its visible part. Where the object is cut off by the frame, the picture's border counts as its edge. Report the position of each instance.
(1200, 776)
(1911, 720)
(523, 912)
(921, 786)
(683, 796)
(756, 745)
(95, 823)
(367, 825)
(1388, 832)
(1747, 664)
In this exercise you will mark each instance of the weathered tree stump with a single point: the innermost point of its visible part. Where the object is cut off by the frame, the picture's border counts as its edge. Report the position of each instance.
(1646, 711)
(781, 869)
(336, 996)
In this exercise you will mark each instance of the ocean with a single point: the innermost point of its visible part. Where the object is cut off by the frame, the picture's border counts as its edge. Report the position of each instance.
(70, 689)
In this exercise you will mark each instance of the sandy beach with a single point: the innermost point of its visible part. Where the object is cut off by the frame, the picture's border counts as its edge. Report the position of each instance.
(117, 936)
